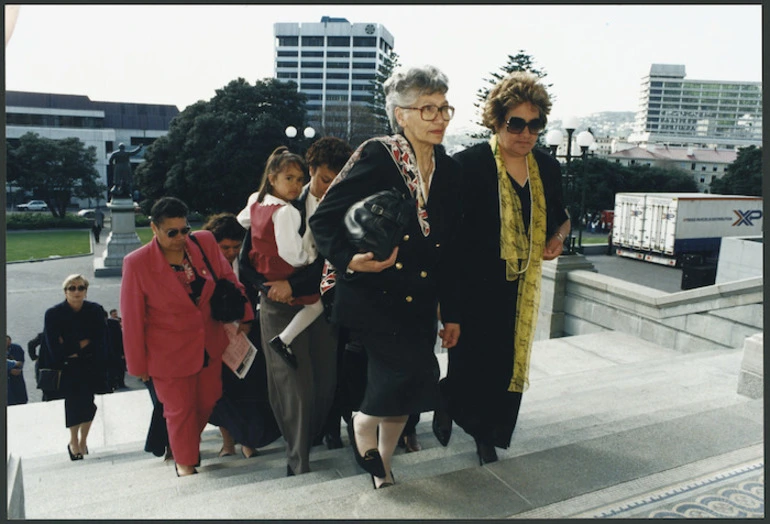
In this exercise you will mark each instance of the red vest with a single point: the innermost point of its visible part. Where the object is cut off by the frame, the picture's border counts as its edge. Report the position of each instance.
(264, 250)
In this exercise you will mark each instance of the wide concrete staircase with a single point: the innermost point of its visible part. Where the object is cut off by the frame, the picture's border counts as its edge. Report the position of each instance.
(608, 420)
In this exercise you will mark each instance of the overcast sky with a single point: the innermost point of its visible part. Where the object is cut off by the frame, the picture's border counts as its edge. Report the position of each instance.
(595, 55)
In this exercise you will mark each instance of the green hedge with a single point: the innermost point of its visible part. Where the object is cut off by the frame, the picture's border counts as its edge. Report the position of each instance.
(48, 221)
(45, 221)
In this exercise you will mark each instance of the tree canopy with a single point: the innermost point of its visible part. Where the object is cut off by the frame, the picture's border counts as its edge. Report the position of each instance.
(743, 176)
(604, 179)
(521, 61)
(54, 170)
(215, 151)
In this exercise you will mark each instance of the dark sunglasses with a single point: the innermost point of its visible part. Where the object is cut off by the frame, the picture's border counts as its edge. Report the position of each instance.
(516, 125)
(171, 233)
(76, 288)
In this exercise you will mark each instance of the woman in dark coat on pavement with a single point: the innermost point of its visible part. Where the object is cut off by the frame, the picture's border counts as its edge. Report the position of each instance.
(514, 218)
(75, 335)
(390, 306)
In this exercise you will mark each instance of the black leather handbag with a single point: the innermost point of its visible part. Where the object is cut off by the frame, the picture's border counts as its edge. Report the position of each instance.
(377, 222)
(227, 301)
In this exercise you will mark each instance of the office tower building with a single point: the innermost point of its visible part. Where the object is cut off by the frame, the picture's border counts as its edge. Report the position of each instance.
(697, 113)
(334, 63)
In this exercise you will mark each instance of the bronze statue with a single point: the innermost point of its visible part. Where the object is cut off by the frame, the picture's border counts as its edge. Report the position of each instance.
(123, 176)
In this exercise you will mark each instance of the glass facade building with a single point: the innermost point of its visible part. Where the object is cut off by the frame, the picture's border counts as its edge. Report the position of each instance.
(334, 63)
(702, 113)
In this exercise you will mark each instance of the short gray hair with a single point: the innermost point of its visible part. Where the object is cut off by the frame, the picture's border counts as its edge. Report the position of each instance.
(404, 87)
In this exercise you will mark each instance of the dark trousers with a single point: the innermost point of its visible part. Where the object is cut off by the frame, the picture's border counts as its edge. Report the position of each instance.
(157, 434)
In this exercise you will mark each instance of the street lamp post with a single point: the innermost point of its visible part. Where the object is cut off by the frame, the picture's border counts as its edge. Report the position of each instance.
(291, 133)
(584, 140)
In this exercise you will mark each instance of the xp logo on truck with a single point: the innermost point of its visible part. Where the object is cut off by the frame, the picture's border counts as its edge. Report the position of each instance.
(746, 217)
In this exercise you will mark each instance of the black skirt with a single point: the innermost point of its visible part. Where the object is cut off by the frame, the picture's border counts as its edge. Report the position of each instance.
(402, 372)
(244, 408)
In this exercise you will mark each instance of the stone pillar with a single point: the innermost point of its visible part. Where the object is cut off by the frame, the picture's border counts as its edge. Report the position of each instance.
(550, 319)
(751, 379)
(122, 239)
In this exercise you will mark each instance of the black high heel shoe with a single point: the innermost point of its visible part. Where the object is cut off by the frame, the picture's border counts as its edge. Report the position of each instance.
(486, 452)
(442, 426)
(74, 456)
(371, 461)
(384, 484)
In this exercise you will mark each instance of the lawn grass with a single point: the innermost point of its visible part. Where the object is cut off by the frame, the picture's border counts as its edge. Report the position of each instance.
(35, 245)
(40, 245)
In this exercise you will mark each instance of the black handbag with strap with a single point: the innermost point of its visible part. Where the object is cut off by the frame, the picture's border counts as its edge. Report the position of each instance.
(227, 301)
(377, 222)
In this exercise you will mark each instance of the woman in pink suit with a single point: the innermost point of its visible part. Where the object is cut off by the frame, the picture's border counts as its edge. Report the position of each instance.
(168, 332)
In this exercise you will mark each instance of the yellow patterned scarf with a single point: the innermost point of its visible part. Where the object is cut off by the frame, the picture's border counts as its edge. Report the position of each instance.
(523, 255)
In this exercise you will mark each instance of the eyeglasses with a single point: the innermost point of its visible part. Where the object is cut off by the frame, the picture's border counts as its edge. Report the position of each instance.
(171, 233)
(429, 113)
(516, 125)
(76, 288)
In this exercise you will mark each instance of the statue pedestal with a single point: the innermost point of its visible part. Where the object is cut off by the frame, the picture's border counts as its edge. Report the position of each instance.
(122, 239)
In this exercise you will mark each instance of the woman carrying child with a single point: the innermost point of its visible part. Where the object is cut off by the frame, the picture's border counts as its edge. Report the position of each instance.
(301, 384)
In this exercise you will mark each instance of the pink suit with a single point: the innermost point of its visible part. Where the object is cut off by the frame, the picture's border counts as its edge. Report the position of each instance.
(165, 334)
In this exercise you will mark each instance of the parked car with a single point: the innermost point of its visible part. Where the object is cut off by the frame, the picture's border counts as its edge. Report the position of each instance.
(33, 205)
(86, 213)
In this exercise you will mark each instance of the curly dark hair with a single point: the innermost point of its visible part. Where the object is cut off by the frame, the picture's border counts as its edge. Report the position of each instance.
(516, 88)
(225, 225)
(168, 207)
(331, 151)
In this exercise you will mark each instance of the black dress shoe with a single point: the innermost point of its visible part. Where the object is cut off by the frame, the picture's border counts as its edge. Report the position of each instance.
(283, 351)
(289, 472)
(486, 452)
(74, 456)
(371, 460)
(332, 441)
(409, 443)
(442, 426)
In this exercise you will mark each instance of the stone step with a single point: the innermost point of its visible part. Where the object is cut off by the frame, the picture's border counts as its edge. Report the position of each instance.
(446, 487)
(600, 403)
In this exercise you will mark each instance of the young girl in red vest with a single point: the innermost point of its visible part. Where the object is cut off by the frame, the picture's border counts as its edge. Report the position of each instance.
(277, 248)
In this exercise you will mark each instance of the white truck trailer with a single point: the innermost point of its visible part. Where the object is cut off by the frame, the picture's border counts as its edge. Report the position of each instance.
(663, 227)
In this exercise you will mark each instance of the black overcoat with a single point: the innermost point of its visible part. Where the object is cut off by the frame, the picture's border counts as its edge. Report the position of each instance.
(404, 297)
(481, 365)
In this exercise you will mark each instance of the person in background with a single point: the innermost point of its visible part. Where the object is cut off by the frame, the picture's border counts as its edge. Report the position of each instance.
(114, 314)
(169, 334)
(243, 413)
(325, 159)
(300, 397)
(42, 359)
(75, 337)
(116, 368)
(390, 307)
(514, 219)
(17, 388)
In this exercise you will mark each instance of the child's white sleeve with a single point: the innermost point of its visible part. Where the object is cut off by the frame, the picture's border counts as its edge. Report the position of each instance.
(244, 217)
(286, 221)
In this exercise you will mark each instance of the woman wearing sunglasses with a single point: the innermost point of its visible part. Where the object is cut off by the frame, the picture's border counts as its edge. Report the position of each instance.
(168, 332)
(75, 334)
(514, 219)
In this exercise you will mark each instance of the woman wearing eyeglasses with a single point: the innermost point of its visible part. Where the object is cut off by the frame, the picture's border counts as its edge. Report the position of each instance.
(390, 306)
(75, 333)
(514, 218)
(168, 332)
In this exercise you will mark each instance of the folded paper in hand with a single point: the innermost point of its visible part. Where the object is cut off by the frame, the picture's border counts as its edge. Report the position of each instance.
(239, 354)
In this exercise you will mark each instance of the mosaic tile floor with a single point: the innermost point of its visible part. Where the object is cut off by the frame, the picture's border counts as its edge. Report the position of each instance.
(737, 493)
